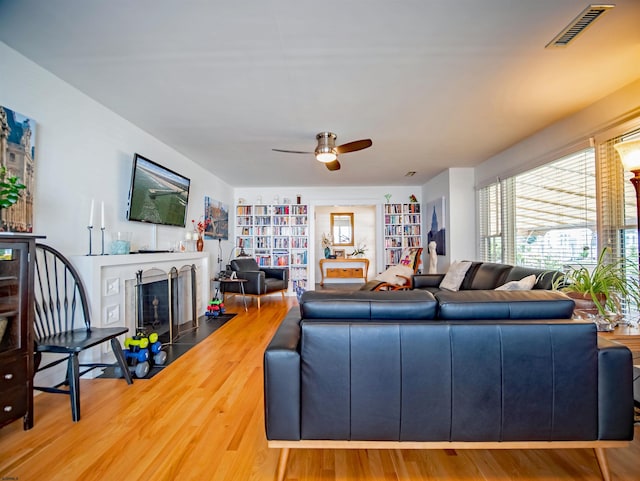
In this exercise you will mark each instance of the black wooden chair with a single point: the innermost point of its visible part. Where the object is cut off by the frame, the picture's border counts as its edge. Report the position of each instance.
(62, 324)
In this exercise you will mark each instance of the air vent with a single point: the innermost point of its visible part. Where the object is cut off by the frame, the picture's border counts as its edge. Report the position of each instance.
(578, 25)
(411, 173)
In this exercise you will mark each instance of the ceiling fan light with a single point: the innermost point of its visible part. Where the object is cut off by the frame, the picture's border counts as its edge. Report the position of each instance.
(326, 156)
(326, 149)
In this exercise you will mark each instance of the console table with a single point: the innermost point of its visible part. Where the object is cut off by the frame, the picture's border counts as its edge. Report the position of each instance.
(351, 268)
(626, 335)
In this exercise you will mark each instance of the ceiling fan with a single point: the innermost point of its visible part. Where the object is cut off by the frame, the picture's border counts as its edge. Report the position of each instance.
(327, 151)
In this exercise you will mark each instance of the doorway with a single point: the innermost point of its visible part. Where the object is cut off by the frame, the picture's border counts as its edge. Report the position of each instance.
(364, 234)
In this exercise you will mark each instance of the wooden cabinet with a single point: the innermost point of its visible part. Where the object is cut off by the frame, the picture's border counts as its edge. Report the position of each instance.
(277, 235)
(345, 272)
(16, 320)
(402, 229)
(353, 268)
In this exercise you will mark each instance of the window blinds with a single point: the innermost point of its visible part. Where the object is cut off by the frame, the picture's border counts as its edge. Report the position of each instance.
(545, 217)
(617, 218)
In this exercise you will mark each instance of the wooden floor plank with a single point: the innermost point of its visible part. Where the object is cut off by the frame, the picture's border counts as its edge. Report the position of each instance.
(202, 419)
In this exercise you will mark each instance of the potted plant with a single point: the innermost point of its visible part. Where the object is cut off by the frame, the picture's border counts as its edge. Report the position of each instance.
(603, 287)
(359, 250)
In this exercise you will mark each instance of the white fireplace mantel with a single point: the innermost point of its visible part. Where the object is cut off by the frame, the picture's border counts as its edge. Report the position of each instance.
(106, 278)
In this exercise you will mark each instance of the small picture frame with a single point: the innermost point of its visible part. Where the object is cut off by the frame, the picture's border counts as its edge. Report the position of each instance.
(339, 253)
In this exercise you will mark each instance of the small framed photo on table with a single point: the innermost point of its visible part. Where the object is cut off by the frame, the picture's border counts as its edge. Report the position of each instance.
(339, 253)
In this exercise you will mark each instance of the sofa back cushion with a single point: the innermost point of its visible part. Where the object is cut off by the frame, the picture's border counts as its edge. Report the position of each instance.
(367, 305)
(499, 305)
(489, 275)
(544, 277)
(441, 381)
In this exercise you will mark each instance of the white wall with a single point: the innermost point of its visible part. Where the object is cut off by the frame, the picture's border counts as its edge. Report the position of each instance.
(561, 137)
(456, 185)
(85, 151)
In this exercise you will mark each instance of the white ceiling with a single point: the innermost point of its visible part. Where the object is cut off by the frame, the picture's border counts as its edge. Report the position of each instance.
(433, 84)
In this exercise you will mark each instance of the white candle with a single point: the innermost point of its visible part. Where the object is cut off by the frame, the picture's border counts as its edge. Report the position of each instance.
(102, 215)
(91, 214)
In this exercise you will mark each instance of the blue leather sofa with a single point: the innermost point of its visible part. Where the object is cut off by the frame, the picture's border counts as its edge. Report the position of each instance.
(380, 370)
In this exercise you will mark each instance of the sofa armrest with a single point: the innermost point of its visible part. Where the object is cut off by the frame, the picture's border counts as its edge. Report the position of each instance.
(282, 380)
(615, 391)
(422, 281)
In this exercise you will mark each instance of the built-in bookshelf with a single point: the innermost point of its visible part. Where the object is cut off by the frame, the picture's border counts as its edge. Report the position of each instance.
(277, 236)
(402, 229)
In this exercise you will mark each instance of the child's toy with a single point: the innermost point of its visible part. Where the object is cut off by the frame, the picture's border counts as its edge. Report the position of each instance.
(215, 308)
(141, 351)
(159, 356)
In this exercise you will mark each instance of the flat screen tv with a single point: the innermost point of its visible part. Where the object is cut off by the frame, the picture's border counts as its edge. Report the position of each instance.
(157, 195)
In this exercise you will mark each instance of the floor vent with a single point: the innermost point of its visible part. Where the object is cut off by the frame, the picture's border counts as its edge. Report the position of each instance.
(578, 25)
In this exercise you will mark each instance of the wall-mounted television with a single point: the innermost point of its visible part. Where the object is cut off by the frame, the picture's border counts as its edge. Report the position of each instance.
(157, 195)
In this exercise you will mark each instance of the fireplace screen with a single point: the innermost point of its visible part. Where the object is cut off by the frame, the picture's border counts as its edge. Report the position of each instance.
(166, 302)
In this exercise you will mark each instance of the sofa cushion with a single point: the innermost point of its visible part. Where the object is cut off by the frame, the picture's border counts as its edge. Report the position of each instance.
(544, 277)
(455, 275)
(489, 275)
(524, 284)
(378, 305)
(496, 305)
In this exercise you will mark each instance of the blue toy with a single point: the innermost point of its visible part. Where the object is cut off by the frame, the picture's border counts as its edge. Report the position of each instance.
(141, 351)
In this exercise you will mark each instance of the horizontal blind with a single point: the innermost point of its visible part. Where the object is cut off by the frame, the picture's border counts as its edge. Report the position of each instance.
(617, 213)
(489, 200)
(543, 218)
(555, 212)
(618, 222)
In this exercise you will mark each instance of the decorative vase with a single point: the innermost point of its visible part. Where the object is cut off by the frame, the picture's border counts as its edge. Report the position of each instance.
(200, 243)
(327, 252)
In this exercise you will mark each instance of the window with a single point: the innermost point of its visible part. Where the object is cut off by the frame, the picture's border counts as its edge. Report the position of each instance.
(617, 219)
(543, 218)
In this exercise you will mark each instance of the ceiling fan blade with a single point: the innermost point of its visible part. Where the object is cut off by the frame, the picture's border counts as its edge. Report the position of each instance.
(291, 151)
(353, 146)
(335, 165)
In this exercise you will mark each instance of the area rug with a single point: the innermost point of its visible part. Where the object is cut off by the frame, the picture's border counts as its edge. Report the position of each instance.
(207, 326)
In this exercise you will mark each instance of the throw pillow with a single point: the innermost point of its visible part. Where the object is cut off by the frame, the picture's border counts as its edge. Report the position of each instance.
(524, 284)
(409, 257)
(455, 275)
(390, 276)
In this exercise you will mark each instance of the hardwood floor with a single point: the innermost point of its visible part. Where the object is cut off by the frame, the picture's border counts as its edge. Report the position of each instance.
(202, 419)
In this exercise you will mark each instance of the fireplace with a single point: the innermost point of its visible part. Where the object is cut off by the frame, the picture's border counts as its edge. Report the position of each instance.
(111, 283)
(166, 302)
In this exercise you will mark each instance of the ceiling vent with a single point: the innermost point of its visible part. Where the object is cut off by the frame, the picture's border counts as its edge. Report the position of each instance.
(578, 25)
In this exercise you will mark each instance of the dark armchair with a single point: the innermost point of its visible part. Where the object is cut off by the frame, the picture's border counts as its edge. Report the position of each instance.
(261, 281)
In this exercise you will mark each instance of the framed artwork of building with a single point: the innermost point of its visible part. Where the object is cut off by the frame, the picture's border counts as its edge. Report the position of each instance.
(17, 156)
(218, 215)
(435, 221)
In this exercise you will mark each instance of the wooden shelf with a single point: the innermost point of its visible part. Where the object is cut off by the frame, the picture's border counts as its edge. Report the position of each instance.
(402, 229)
